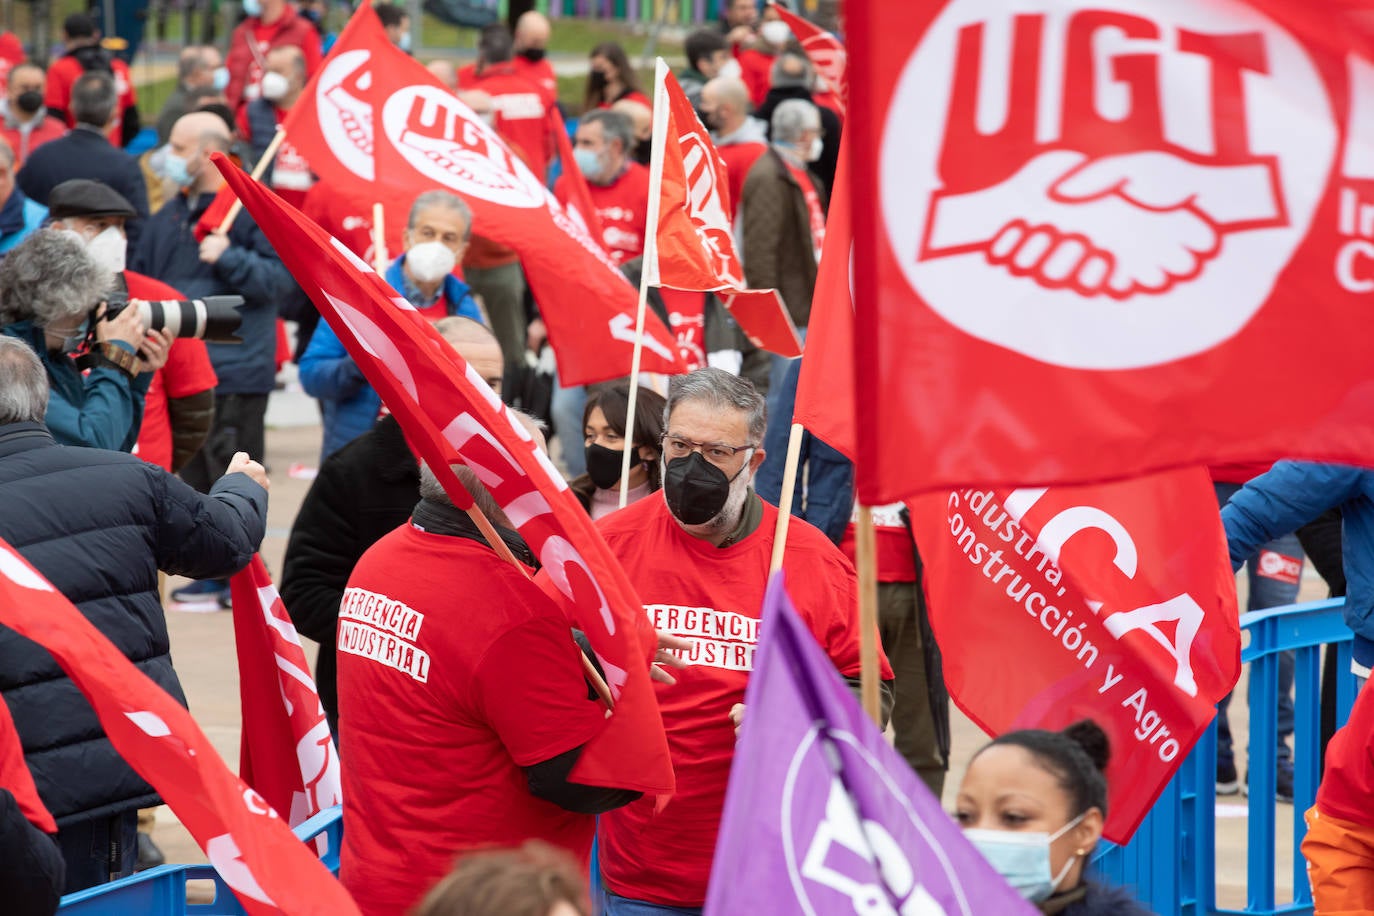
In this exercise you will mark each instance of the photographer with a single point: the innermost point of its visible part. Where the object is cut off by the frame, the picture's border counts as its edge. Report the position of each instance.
(52, 297)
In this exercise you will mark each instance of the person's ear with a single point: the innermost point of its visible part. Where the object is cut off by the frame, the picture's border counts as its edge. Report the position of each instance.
(756, 459)
(1089, 831)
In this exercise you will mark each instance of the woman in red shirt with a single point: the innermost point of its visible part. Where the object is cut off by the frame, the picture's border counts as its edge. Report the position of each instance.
(612, 78)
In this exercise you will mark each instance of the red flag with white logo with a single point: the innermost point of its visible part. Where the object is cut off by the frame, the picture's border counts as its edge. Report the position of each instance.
(253, 850)
(374, 118)
(1113, 602)
(285, 751)
(1092, 230)
(580, 207)
(826, 52)
(450, 415)
(695, 243)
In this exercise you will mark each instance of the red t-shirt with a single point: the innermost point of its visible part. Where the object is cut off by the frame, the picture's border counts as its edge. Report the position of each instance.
(522, 115)
(64, 73)
(188, 371)
(1347, 786)
(712, 596)
(445, 693)
(895, 553)
(623, 207)
(541, 74)
(739, 158)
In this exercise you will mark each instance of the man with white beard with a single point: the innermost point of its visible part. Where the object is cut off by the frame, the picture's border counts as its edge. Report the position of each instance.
(698, 558)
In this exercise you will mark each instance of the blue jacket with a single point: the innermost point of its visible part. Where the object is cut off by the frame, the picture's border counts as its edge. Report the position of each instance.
(102, 410)
(349, 404)
(249, 267)
(1290, 495)
(85, 153)
(19, 217)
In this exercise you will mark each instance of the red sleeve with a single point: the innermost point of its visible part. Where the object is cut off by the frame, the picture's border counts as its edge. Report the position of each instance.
(529, 686)
(59, 91)
(831, 611)
(310, 46)
(188, 370)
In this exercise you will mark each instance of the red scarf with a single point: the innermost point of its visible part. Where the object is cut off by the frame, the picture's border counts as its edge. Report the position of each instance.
(813, 205)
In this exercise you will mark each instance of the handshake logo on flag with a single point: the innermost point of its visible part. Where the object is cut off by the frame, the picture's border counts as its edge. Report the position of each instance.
(1119, 225)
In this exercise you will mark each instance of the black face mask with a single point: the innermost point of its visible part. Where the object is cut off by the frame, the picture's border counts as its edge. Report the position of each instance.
(596, 81)
(29, 102)
(533, 55)
(696, 489)
(603, 465)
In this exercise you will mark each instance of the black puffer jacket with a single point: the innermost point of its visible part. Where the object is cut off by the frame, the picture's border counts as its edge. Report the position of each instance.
(1093, 899)
(99, 525)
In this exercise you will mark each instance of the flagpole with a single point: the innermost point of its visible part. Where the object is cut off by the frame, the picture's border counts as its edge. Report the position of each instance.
(648, 274)
(256, 174)
(789, 486)
(865, 552)
(379, 258)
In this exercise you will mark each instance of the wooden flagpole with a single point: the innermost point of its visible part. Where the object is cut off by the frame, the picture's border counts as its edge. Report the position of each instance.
(865, 552)
(648, 274)
(256, 174)
(789, 486)
(379, 256)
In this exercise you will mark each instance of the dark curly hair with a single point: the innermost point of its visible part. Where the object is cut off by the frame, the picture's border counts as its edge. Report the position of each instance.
(1077, 757)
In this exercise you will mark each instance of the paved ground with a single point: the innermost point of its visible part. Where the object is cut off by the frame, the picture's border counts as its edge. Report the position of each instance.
(203, 650)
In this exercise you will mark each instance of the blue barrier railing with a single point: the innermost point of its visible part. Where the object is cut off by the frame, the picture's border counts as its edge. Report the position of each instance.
(162, 891)
(1171, 861)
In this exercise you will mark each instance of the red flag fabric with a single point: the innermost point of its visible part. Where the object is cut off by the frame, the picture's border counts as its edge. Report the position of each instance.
(825, 387)
(1112, 602)
(15, 775)
(1094, 233)
(285, 751)
(580, 206)
(449, 415)
(374, 118)
(269, 869)
(695, 245)
(826, 52)
(214, 214)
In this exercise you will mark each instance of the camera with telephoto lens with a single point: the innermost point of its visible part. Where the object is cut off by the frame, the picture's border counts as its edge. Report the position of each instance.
(214, 318)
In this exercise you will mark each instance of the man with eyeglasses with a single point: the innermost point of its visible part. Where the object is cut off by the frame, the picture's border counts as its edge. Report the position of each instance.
(698, 558)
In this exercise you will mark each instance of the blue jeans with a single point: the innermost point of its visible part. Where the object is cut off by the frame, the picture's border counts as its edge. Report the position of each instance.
(623, 906)
(1265, 592)
(99, 850)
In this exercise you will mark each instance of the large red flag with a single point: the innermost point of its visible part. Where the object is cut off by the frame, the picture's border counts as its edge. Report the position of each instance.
(1112, 602)
(695, 246)
(449, 415)
(374, 119)
(257, 855)
(1094, 230)
(285, 751)
(826, 52)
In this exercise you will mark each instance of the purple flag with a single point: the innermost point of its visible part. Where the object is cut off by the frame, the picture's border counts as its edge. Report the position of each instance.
(822, 816)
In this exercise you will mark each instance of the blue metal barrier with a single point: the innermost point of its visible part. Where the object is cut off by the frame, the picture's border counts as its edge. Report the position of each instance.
(1171, 861)
(162, 891)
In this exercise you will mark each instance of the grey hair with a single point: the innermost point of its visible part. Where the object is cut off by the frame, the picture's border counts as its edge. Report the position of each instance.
(792, 118)
(49, 277)
(432, 490)
(191, 61)
(23, 383)
(93, 99)
(723, 391)
(614, 126)
(441, 199)
(791, 71)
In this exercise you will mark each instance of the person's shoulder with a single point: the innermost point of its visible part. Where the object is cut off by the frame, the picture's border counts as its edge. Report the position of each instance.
(634, 519)
(1108, 900)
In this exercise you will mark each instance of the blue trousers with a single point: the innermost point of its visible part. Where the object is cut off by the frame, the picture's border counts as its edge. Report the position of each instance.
(623, 906)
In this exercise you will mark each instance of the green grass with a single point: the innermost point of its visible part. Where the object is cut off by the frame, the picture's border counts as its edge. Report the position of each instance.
(570, 36)
(151, 96)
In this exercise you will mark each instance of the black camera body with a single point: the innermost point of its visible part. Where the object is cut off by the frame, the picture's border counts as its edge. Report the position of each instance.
(214, 318)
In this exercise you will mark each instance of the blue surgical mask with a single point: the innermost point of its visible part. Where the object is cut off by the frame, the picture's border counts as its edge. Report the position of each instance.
(175, 169)
(252, 7)
(1023, 859)
(404, 43)
(588, 162)
(221, 79)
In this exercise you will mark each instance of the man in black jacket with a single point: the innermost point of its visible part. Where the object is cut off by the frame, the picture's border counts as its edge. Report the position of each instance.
(363, 490)
(86, 153)
(792, 78)
(99, 525)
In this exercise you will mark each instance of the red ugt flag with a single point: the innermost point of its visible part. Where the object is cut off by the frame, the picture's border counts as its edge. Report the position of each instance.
(826, 52)
(1095, 231)
(286, 752)
(694, 244)
(450, 415)
(373, 119)
(269, 869)
(1112, 602)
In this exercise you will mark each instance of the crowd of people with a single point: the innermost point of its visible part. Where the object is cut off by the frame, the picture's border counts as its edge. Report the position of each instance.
(125, 451)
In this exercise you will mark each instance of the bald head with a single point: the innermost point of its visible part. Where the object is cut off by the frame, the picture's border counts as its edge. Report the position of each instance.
(444, 72)
(477, 345)
(193, 138)
(725, 102)
(531, 31)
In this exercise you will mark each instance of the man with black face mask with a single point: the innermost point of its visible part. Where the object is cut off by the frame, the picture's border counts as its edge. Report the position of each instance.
(531, 61)
(698, 558)
(27, 122)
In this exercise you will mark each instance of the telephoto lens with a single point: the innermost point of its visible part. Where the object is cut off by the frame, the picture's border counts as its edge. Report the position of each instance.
(214, 318)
